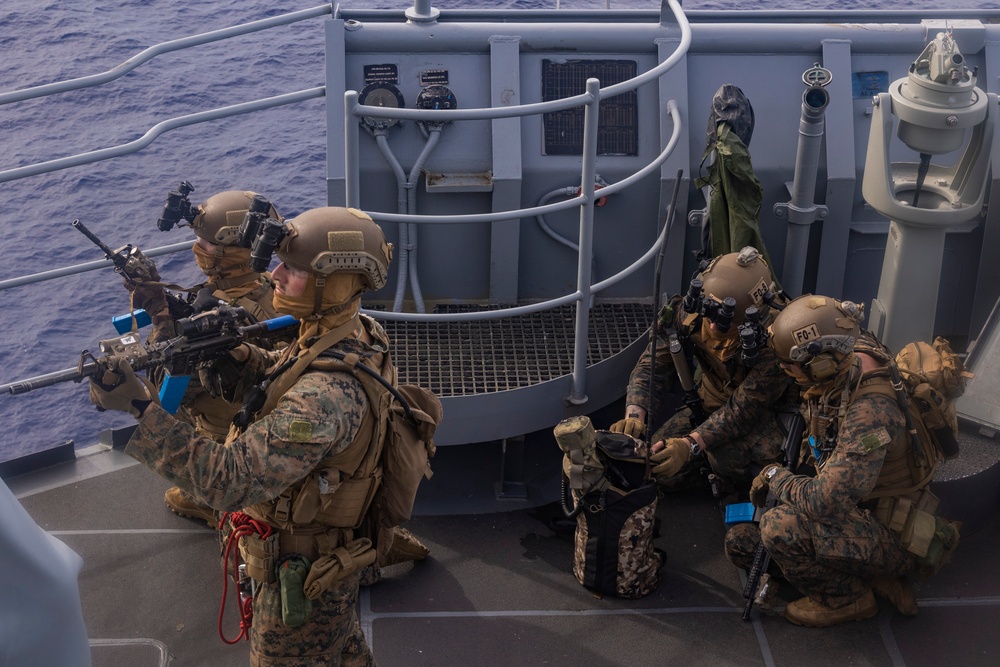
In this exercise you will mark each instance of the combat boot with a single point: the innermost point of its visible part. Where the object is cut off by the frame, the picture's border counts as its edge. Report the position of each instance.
(405, 546)
(898, 591)
(184, 505)
(812, 614)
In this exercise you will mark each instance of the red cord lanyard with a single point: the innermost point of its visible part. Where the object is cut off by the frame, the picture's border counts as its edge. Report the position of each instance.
(242, 524)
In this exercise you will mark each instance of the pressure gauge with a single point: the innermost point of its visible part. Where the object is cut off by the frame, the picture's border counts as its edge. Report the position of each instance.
(436, 97)
(380, 94)
(433, 98)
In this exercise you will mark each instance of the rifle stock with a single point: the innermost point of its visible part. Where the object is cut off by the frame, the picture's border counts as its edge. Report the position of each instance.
(761, 559)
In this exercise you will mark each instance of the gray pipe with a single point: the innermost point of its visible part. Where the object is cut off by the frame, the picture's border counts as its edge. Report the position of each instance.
(801, 208)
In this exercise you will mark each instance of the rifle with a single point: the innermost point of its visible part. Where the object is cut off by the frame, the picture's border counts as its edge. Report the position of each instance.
(757, 577)
(135, 267)
(202, 337)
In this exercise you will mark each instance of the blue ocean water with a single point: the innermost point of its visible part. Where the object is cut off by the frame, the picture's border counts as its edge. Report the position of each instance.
(280, 152)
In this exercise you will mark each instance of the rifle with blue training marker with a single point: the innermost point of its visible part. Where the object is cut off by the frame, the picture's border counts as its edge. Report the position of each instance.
(202, 337)
(757, 577)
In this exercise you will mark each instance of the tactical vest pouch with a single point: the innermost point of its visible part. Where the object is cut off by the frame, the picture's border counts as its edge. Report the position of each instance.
(295, 606)
(354, 496)
(331, 567)
(942, 546)
(613, 541)
(260, 556)
(913, 520)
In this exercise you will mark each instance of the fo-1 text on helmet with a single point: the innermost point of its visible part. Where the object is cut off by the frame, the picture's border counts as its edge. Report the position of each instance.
(817, 333)
(219, 217)
(333, 240)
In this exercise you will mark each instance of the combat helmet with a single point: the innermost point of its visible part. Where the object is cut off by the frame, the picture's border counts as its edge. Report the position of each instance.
(743, 277)
(818, 334)
(333, 239)
(219, 217)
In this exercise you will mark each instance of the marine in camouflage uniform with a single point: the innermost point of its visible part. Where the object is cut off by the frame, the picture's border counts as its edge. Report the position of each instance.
(307, 464)
(741, 398)
(837, 536)
(215, 223)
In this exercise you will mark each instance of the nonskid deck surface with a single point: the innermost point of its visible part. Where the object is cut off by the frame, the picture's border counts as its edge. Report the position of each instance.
(496, 590)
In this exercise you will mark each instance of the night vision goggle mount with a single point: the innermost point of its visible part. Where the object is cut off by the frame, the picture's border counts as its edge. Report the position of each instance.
(753, 331)
(695, 301)
(178, 206)
(261, 233)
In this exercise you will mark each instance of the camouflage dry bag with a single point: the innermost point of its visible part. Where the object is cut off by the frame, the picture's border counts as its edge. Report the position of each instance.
(614, 510)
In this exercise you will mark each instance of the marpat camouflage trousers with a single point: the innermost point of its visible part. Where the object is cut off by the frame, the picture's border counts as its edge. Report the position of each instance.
(833, 564)
(331, 637)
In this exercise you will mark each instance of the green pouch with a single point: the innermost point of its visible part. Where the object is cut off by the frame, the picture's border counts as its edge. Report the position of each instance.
(943, 544)
(295, 606)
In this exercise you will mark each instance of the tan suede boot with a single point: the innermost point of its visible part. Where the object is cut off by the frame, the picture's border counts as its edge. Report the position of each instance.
(812, 614)
(898, 591)
(184, 505)
(405, 546)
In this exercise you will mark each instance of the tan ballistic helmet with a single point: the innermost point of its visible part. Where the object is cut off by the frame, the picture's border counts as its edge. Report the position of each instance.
(742, 275)
(817, 333)
(220, 216)
(334, 239)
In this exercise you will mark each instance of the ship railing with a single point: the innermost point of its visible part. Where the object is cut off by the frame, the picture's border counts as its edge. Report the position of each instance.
(590, 100)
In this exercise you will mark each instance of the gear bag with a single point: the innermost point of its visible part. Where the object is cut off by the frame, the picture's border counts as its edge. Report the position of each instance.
(614, 503)
(926, 379)
(935, 376)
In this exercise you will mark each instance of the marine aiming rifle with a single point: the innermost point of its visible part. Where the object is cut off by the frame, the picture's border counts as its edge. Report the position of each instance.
(135, 267)
(202, 337)
(757, 578)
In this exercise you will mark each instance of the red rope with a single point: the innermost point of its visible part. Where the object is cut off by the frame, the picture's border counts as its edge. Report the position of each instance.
(242, 525)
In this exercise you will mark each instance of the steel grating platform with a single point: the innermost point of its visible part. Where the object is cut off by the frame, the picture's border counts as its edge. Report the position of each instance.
(487, 356)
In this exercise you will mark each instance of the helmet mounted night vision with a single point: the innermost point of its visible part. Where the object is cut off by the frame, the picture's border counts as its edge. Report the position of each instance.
(220, 218)
(726, 286)
(178, 206)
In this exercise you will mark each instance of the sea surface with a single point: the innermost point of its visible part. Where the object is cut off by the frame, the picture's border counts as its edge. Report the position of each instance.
(280, 152)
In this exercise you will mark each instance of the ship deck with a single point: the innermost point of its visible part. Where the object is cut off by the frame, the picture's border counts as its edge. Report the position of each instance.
(497, 588)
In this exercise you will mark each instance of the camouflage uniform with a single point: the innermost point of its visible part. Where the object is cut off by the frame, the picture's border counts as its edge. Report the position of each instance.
(742, 429)
(318, 417)
(823, 534)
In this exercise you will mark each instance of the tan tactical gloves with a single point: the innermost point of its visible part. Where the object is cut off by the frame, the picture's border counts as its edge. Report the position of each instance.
(629, 426)
(122, 391)
(675, 454)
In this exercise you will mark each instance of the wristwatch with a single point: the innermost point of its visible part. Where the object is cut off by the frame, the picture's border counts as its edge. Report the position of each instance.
(695, 447)
(771, 472)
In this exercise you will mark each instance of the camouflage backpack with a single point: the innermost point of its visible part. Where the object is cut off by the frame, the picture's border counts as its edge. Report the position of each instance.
(614, 503)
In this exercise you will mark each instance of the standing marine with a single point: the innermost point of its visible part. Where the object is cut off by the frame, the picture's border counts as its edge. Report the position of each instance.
(736, 389)
(307, 462)
(867, 519)
(230, 278)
